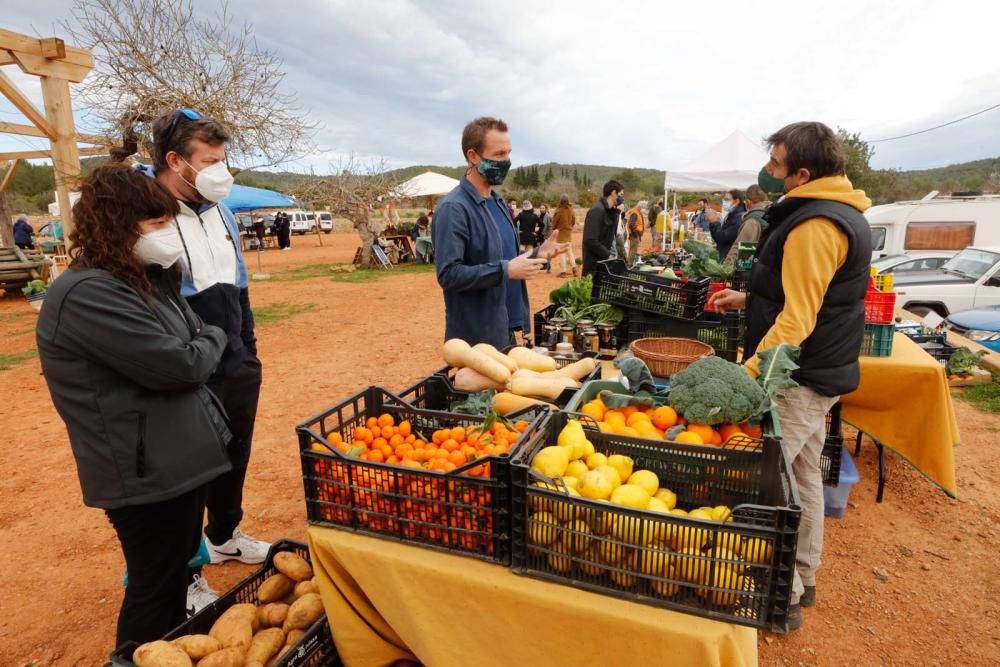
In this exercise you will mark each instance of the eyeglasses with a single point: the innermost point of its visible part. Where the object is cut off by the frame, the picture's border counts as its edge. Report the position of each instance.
(190, 114)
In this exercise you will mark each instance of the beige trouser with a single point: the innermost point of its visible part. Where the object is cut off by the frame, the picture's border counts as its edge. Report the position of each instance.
(802, 417)
(567, 259)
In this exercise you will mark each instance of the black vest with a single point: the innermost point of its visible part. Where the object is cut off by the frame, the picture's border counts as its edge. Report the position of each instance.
(829, 359)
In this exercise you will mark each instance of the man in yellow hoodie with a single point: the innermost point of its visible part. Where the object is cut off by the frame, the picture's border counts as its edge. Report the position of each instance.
(807, 288)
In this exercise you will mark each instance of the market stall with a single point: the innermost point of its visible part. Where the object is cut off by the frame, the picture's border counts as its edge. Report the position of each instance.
(904, 403)
(391, 601)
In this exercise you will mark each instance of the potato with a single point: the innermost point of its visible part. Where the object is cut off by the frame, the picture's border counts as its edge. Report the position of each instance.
(233, 632)
(198, 646)
(227, 657)
(289, 599)
(245, 610)
(265, 644)
(293, 566)
(306, 610)
(274, 588)
(274, 661)
(160, 654)
(272, 615)
(253, 663)
(294, 636)
(304, 587)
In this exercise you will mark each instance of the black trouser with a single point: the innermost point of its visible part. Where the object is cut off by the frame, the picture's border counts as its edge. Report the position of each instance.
(284, 238)
(25, 246)
(238, 394)
(157, 540)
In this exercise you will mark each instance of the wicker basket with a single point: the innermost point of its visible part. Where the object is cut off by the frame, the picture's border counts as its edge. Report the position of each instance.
(666, 356)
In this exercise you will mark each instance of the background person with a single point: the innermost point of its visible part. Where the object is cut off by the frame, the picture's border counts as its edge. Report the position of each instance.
(126, 361)
(600, 227)
(283, 230)
(635, 225)
(189, 159)
(807, 288)
(563, 221)
(753, 222)
(724, 233)
(528, 226)
(24, 233)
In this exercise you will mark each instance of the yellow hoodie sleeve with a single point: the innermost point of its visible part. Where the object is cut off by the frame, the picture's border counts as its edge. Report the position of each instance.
(813, 253)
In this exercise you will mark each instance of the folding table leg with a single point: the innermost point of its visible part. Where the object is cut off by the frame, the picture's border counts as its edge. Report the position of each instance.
(857, 444)
(881, 471)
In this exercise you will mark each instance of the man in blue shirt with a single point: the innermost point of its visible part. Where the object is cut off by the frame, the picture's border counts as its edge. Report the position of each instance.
(476, 249)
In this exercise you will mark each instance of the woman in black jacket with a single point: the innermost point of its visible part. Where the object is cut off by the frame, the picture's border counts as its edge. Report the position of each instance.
(126, 360)
(528, 223)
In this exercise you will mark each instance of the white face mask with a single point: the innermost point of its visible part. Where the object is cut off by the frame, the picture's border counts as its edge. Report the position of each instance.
(213, 182)
(162, 247)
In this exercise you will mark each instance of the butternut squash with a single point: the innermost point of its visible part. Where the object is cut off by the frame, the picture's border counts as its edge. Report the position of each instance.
(468, 379)
(456, 352)
(542, 387)
(531, 360)
(505, 403)
(578, 369)
(491, 351)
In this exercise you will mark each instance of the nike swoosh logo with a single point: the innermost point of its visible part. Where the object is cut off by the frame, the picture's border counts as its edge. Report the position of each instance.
(237, 553)
(190, 611)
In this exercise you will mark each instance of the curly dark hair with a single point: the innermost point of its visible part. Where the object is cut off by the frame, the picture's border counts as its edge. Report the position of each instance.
(114, 198)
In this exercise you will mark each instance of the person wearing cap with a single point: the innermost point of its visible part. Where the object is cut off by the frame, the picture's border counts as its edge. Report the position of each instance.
(189, 160)
(528, 225)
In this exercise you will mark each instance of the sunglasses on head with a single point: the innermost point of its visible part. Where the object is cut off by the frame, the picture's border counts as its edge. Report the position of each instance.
(190, 114)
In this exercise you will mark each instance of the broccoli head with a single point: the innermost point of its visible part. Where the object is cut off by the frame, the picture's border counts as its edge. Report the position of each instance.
(713, 391)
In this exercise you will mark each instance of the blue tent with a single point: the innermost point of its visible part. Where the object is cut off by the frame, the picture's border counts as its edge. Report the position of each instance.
(244, 198)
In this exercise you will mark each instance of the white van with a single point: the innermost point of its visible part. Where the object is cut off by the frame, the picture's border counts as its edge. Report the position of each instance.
(936, 223)
(325, 221)
(301, 222)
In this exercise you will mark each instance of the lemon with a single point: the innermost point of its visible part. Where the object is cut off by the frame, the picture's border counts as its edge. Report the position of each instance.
(658, 564)
(591, 564)
(626, 578)
(702, 513)
(630, 495)
(543, 529)
(595, 485)
(573, 437)
(576, 469)
(570, 482)
(691, 566)
(611, 553)
(577, 539)
(596, 460)
(588, 449)
(551, 461)
(611, 474)
(667, 496)
(622, 464)
(647, 479)
(630, 530)
(721, 512)
(559, 559)
(657, 530)
(724, 577)
(563, 508)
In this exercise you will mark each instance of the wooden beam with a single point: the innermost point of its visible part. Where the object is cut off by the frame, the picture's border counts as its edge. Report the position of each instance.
(20, 128)
(65, 153)
(47, 154)
(7, 58)
(59, 69)
(15, 41)
(9, 176)
(24, 105)
(98, 139)
(52, 47)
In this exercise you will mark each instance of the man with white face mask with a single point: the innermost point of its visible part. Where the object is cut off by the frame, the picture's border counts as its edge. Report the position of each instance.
(189, 159)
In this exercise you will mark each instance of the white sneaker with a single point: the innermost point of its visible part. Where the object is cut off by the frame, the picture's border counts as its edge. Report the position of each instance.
(240, 547)
(199, 596)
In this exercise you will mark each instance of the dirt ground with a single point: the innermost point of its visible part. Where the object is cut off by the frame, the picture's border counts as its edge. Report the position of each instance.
(62, 583)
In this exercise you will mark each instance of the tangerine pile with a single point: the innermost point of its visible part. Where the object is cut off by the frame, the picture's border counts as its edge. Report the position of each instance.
(380, 440)
(643, 421)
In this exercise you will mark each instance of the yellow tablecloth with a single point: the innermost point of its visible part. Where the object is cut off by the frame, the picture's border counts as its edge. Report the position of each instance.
(388, 601)
(904, 402)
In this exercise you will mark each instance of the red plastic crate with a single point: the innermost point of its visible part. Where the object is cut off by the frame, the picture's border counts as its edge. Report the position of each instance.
(712, 289)
(880, 307)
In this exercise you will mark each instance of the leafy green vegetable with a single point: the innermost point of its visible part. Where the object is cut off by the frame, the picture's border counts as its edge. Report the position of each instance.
(601, 313)
(964, 361)
(574, 294)
(478, 404)
(35, 287)
(704, 262)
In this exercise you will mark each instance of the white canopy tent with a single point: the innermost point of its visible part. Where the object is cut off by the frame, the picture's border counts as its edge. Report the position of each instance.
(74, 197)
(734, 162)
(427, 184)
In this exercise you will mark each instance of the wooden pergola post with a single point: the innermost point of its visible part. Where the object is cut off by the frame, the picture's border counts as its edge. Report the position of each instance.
(56, 65)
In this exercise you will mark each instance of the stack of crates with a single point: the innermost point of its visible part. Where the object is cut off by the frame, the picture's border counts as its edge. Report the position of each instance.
(880, 310)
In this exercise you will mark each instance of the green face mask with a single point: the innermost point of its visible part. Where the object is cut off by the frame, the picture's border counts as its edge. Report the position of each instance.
(494, 171)
(769, 183)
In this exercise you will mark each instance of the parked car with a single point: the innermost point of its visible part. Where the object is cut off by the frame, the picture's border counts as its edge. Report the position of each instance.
(936, 223)
(907, 263)
(325, 221)
(979, 324)
(970, 279)
(301, 222)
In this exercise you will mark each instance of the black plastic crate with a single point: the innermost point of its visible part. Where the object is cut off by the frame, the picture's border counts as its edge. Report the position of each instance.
(722, 332)
(466, 510)
(314, 649)
(661, 559)
(616, 284)
(834, 426)
(829, 460)
(739, 281)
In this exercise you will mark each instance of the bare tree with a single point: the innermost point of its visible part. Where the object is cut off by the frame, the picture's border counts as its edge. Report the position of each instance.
(357, 193)
(153, 56)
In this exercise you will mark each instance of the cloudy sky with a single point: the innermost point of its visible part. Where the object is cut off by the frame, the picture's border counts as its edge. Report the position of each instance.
(648, 84)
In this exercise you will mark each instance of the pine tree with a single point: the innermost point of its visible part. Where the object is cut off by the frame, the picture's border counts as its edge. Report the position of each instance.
(549, 176)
